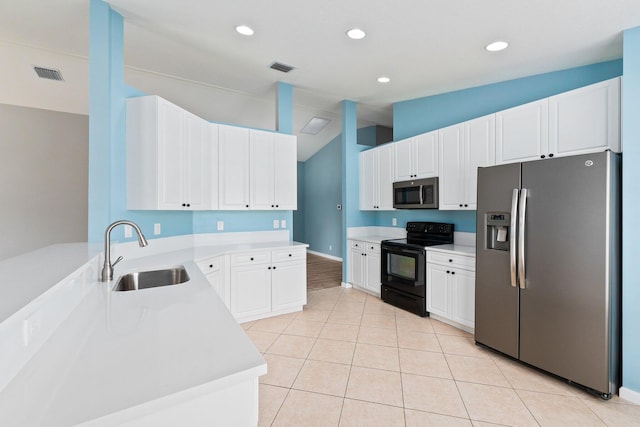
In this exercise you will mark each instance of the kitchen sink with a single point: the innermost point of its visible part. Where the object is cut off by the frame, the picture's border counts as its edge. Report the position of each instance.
(152, 279)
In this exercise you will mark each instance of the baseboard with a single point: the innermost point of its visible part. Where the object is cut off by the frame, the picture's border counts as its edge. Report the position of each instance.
(334, 258)
(630, 395)
(346, 285)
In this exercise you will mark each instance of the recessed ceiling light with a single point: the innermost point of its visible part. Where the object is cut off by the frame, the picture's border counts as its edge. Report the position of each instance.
(496, 46)
(244, 30)
(384, 79)
(356, 34)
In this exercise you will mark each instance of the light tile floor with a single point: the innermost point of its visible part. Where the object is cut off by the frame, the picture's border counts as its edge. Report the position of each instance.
(349, 359)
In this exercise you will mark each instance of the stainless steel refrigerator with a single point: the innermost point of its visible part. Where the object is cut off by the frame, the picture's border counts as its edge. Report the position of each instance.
(548, 266)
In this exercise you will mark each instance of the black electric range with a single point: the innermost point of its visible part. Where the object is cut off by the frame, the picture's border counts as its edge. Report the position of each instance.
(403, 267)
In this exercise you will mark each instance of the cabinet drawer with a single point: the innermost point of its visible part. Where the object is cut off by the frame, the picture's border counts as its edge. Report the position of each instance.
(452, 260)
(210, 265)
(372, 248)
(288, 254)
(357, 244)
(248, 258)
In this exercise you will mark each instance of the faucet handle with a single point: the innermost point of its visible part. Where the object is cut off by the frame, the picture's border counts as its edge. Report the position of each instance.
(116, 261)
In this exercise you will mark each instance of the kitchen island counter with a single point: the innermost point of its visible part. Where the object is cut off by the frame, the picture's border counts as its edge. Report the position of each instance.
(153, 354)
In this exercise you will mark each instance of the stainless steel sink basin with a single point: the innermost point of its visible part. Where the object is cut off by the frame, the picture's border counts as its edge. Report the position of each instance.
(152, 279)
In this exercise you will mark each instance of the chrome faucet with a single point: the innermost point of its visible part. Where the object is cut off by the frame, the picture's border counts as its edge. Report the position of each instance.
(107, 270)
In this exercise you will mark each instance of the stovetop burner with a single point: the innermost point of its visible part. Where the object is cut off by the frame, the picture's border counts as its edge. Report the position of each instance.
(423, 234)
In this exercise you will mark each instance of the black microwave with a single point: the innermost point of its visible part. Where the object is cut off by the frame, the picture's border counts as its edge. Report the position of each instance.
(416, 194)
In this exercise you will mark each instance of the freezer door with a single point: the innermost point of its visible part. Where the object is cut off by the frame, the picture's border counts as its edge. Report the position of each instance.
(564, 312)
(496, 299)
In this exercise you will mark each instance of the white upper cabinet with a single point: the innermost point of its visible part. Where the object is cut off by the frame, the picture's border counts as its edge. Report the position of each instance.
(463, 148)
(234, 167)
(416, 157)
(585, 120)
(522, 132)
(376, 178)
(285, 176)
(170, 156)
(580, 121)
(258, 170)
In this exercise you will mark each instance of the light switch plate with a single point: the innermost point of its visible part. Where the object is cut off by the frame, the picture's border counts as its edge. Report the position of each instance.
(220, 225)
(276, 223)
(156, 228)
(128, 232)
(283, 223)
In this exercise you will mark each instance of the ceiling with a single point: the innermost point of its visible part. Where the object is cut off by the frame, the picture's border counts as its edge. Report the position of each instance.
(188, 51)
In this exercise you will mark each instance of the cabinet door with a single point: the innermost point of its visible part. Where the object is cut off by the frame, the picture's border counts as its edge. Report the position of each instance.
(367, 163)
(286, 172)
(450, 166)
(356, 266)
(463, 289)
(261, 172)
(233, 175)
(213, 166)
(373, 270)
(288, 285)
(585, 120)
(386, 176)
(426, 155)
(215, 279)
(479, 150)
(170, 155)
(250, 290)
(438, 290)
(404, 160)
(522, 133)
(196, 166)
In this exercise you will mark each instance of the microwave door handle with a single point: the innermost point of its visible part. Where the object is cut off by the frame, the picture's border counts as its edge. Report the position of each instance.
(421, 195)
(512, 237)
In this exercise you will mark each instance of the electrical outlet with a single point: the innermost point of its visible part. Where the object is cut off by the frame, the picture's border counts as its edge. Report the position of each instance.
(330, 248)
(276, 223)
(30, 326)
(220, 225)
(283, 223)
(394, 221)
(156, 228)
(128, 232)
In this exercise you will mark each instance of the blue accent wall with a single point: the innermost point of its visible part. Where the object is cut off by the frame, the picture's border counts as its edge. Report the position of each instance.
(299, 216)
(323, 192)
(463, 220)
(631, 211)
(421, 115)
(284, 110)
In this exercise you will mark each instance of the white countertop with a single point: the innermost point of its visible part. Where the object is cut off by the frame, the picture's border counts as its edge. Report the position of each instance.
(456, 249)
(373, 238)
(117, 350)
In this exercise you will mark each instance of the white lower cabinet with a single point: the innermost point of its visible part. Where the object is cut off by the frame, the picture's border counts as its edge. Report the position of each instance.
(214, 269)
(267, 282)
(364, 265)
(451, 288)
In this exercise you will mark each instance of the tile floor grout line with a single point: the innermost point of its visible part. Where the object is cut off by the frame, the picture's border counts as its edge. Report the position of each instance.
(464, 404)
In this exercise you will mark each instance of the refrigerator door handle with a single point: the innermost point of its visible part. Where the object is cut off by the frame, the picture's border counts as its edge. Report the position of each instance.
(522, 217)
(512, 237)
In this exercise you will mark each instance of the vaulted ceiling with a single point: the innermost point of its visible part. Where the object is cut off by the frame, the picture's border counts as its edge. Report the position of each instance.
(188, 51)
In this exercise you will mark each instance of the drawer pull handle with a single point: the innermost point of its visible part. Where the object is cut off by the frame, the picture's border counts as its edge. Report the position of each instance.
(453, 272)
(274, 267)
(251, 258)
(450, 260)
(269, 268)
(210, 265)
(289, 254)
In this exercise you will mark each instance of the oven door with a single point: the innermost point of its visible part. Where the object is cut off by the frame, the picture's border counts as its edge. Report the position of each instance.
(403, 268)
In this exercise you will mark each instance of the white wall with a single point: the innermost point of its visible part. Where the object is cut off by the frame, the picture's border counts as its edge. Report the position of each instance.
(43, 178)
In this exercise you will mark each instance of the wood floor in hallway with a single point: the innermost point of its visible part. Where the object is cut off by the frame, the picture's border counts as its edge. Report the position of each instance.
(322, 273)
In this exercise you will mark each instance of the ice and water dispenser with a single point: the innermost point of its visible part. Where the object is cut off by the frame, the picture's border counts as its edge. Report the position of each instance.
(498, 230)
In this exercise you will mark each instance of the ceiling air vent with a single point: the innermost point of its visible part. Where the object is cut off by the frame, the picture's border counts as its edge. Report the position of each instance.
(281, 67)
(48, 73)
